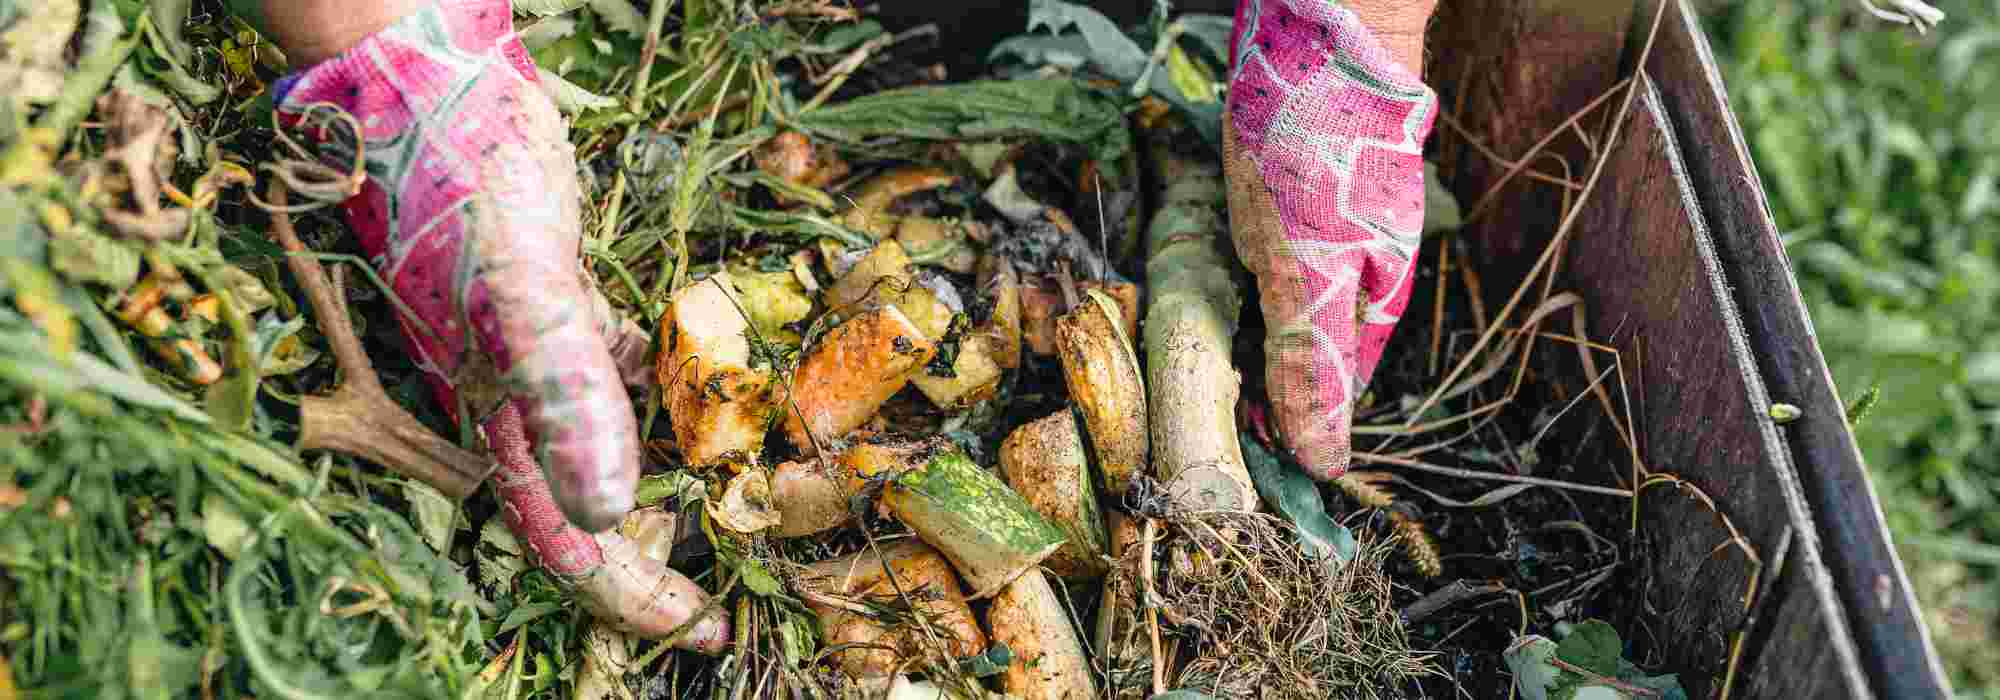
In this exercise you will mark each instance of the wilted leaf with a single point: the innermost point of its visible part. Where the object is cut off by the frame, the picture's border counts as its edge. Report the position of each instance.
(83, 255)
(543, 33)
(31, 51)
(544, 8)
(223, 525)
(248, 290)
(570, 98)
(1296, 496)
(620, 16)
(170, 18)
(435, 513)
(1110, 49)
(607, 657)
(280, 350)
(1211, 32)
(498, 556)
(745, 505)
(1191, 79)
(1068, 52)
(1054, 108)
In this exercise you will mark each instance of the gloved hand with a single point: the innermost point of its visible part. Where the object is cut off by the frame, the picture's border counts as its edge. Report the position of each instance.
(471, 212)
(1323, 152)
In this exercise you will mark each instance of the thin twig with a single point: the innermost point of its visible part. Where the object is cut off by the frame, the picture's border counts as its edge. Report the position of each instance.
(1152, 530)
(1569, 220)
(1493, 190)
(1487, 476)
(1488, 151)
(1593, 677)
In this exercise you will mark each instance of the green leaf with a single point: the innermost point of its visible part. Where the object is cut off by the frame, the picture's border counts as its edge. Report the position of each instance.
(1191, 79)
(1441, 210)
(84, 255)
(434, 513)
(1110, 49)
(847, 36)
(1068, 52)
(1529, 658)
(1061, 109)
(620, 16)
(758, 579)
(992, 662)
(529, 613)
(544, 8)
(1210, 32)
(570, 98)
(499, 556)
(223, 525)
(1594, 646)
(1296, 496)
(677, 484)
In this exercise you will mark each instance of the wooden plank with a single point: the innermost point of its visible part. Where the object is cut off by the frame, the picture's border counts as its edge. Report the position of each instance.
(1643, 259)
(1897, 653)
(1511, 71)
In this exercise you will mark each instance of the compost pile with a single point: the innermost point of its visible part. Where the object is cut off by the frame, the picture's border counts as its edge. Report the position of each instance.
(910, 428)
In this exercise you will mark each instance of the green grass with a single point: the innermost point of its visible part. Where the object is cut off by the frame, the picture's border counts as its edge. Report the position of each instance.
(1880, 150)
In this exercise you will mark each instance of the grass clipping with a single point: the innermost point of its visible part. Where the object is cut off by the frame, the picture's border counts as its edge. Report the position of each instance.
(1259, 618)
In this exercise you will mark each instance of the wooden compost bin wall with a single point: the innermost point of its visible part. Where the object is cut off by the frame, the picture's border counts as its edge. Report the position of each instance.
(1680, 268)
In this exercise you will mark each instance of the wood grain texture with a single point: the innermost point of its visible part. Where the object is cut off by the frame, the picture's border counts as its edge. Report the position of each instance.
(1643, 258)
(1511, 71)
(1867, 573)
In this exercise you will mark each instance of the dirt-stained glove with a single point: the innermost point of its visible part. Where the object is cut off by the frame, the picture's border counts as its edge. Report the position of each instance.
(471, 210)
(1323, 151)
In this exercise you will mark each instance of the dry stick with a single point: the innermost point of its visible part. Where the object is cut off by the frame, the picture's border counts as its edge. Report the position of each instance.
(1534, 321)
(1487, 476)
(359, 418)
(1593, 677)
(1152, 607)
(1437, 303)
(1486, 199)
(1755, 609)
(1569, 220)
(1474, 293)
(838, 75)
(1495, 156)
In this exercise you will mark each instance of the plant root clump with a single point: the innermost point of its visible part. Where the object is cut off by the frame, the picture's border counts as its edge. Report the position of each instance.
(1260, 618)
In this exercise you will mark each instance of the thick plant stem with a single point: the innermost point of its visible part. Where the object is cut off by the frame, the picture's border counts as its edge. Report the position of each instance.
(359, 418)
(1189, 323)
(617, 583)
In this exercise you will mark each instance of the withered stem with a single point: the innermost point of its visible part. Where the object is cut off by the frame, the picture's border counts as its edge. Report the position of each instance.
(359, 418)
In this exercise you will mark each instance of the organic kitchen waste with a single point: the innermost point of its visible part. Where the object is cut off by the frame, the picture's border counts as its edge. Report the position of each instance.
(945, 386)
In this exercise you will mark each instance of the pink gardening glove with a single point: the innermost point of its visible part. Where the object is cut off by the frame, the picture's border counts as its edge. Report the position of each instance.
(1323, 151)
(471, 210)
